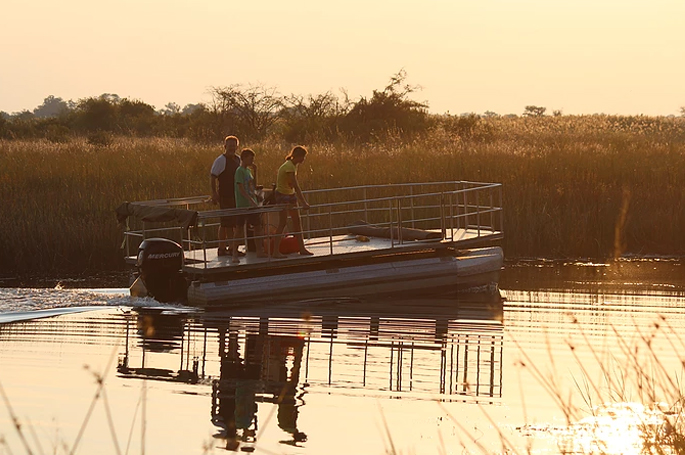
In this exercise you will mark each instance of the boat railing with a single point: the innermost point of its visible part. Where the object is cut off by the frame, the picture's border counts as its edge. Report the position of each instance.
(454, 209)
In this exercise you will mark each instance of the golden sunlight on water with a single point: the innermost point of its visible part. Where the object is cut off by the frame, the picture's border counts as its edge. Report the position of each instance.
(538, 372)
(611, 363)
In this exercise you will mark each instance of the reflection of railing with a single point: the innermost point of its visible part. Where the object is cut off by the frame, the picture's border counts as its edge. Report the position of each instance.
(469, 357)
(384, 354)
(442, 350)
(367, 354)
(456, 209)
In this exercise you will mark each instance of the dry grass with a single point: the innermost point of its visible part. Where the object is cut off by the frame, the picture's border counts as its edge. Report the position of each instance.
(574, 186)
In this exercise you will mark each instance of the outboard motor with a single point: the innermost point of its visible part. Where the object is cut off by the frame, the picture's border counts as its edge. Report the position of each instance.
(160, 267)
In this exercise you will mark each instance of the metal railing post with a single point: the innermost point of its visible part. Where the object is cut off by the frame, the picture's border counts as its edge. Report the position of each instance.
(501, 211)
(204, 246)
(126, 238)
(443, 228)
(392, 240)
(366, 207)
(330, 229)
(411, 205)
(245, 236)
(451, 216)
(399, 221)
(459, 208)
(269, 247)
(466, 211)
(478, 213)
(309, 226)
(492, 213)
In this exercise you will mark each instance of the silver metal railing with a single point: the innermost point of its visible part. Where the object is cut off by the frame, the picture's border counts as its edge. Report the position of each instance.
(453, 208)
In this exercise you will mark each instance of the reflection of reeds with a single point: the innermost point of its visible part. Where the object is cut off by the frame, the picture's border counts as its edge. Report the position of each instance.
(565, 179)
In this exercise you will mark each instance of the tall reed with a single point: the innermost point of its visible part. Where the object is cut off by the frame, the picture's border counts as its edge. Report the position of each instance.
(586, 186)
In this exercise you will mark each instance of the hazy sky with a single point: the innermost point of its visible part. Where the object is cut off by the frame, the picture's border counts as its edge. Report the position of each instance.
(579, 56)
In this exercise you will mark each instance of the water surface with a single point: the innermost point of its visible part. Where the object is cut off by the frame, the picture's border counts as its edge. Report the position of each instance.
(574, 358)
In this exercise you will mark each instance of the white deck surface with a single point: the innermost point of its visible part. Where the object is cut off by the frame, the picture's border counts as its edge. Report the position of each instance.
(322, 247)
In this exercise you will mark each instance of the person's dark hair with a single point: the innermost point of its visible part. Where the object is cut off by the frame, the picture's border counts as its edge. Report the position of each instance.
(297, 151)
(244, 153)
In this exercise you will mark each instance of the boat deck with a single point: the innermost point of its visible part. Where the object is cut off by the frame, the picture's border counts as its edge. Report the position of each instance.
(327, 249)
(207, 261)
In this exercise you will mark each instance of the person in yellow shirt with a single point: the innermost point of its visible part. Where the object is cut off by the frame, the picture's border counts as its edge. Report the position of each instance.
(288, 192)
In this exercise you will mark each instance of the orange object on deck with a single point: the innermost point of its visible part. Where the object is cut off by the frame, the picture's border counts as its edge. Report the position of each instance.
(288, 245)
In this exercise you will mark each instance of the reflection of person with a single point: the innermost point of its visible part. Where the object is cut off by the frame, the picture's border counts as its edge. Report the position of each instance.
(289, 380)
(234, 402)
(223, 173)
(246, 197)
(288, 192)
(271, 366)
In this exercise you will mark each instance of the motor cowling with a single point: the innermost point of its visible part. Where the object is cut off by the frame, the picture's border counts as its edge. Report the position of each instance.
(160, 267)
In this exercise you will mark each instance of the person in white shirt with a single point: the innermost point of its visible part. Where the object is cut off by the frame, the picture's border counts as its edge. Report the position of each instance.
(223, 193)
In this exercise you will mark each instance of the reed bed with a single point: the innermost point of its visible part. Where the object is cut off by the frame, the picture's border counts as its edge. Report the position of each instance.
(574, 186)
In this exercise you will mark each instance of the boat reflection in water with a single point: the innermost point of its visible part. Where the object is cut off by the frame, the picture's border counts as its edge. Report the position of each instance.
(268, 370)
(447, 349)
(158, 331)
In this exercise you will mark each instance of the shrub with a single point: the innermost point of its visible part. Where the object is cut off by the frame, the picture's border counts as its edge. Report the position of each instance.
(100, 138)
(57, 133)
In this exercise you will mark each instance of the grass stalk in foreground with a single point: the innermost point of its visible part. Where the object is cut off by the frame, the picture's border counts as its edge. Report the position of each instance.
(637, 402)
(15, 422)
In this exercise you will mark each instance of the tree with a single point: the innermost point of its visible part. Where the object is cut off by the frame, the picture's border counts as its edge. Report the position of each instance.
(97, 113)
(3, 123)
(200, 123)
(23, 116)
(170, 109)
(534, 111)
(191, 108)
(682, 111)
(135, 116)
(387, 110)
(51, 107)
(111, 97)
(250, 111)
(312, 117)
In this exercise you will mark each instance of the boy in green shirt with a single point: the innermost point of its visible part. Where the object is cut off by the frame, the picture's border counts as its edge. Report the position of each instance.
(246, 197)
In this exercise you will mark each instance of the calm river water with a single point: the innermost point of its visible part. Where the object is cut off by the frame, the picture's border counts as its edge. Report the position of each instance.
(572, 358)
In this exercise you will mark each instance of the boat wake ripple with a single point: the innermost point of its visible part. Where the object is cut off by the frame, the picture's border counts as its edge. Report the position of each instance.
(30, 303)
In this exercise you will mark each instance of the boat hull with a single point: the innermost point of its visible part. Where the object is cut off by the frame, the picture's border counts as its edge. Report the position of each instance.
(469, 269)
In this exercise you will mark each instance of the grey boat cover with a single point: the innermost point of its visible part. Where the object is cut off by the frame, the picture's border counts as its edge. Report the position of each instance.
(369, 230)
(152, 213)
